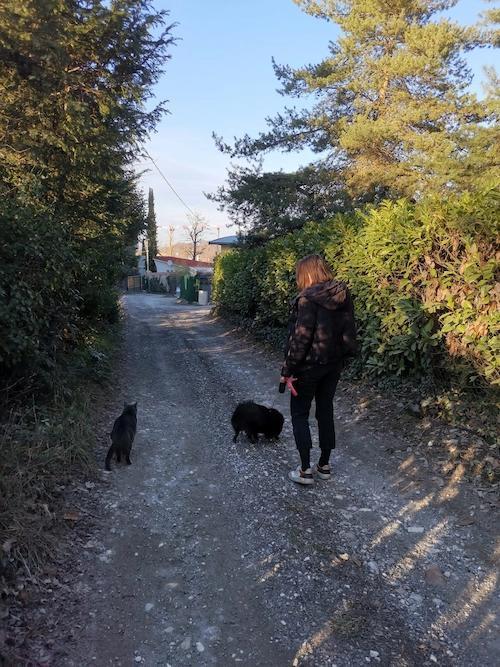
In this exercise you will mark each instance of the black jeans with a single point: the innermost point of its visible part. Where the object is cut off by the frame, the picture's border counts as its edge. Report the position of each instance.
(319, 383)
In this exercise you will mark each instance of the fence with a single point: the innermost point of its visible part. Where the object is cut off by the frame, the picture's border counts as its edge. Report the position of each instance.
(134, 283)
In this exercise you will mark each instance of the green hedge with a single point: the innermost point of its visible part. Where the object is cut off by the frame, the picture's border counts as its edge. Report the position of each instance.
(54, 290)
(422, 276)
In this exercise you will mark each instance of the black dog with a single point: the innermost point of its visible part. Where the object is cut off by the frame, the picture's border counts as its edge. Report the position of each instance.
(123, 434)
(254, 419)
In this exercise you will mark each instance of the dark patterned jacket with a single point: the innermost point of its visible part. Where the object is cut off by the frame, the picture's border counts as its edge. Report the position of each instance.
(321, 328)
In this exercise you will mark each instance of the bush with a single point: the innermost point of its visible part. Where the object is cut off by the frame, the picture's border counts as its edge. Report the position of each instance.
(51, 296)
(38, 300)
(70, 205)
(423, 277)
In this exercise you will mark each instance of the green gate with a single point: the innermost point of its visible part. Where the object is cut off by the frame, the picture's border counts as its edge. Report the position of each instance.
(189, 288)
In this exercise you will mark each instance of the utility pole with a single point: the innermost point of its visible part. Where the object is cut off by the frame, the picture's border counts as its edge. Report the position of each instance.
(171, 231)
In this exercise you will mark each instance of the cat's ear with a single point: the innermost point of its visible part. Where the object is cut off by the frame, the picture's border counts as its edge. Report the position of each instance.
(134, 405)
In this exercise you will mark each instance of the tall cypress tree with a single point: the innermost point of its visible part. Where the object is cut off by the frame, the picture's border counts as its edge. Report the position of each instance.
(151, 228)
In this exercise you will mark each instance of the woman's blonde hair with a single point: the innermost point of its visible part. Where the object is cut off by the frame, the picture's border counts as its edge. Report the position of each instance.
(311, 270)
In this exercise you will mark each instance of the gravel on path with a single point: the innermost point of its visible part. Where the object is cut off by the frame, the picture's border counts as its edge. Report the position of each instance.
(205, 554)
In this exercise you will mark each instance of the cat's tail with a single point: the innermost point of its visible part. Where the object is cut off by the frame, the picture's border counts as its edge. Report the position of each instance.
(107, 462)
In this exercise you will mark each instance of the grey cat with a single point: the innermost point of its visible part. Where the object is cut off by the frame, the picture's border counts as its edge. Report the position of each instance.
(123, 434)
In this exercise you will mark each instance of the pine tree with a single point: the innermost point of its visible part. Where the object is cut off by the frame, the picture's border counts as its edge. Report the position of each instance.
(264, 205)
(491, 18)
(392, 108)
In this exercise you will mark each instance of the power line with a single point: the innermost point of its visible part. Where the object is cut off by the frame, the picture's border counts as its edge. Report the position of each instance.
(168, 183)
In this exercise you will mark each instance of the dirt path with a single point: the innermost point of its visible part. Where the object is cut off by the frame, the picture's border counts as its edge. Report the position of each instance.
(206, 555)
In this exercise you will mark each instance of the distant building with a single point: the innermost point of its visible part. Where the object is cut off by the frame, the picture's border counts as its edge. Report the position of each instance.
(169, 264)
(225, 243)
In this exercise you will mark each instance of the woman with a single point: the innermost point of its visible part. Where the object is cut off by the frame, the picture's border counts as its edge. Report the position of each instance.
(321, 334)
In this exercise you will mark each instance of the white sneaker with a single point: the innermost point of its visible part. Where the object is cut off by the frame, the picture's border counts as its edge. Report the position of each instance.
(323, 472)
(301, 476)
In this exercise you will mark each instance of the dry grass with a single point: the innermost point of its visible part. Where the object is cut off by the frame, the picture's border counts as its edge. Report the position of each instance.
(41, 448)
(45, 445)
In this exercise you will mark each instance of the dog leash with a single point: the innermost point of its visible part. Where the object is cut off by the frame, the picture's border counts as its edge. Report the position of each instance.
(283, 385)
(288, 383)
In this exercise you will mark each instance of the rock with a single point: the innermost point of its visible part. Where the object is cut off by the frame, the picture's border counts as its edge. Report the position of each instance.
(148, 607)
(416, 598)
(199, 647)
(138, 658)
(186, 644)
(415, 529)
(434, 576)
(374, 654)
(414, 410)
(373, 567)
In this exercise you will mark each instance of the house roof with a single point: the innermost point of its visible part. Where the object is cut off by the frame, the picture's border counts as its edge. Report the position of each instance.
(226, 240)
(181, 261)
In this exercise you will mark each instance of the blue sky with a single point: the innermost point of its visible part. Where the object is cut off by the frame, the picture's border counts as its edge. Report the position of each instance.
(220, 78)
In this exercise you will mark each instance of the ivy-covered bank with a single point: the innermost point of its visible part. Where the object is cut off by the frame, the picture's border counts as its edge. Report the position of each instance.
(424, 278)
